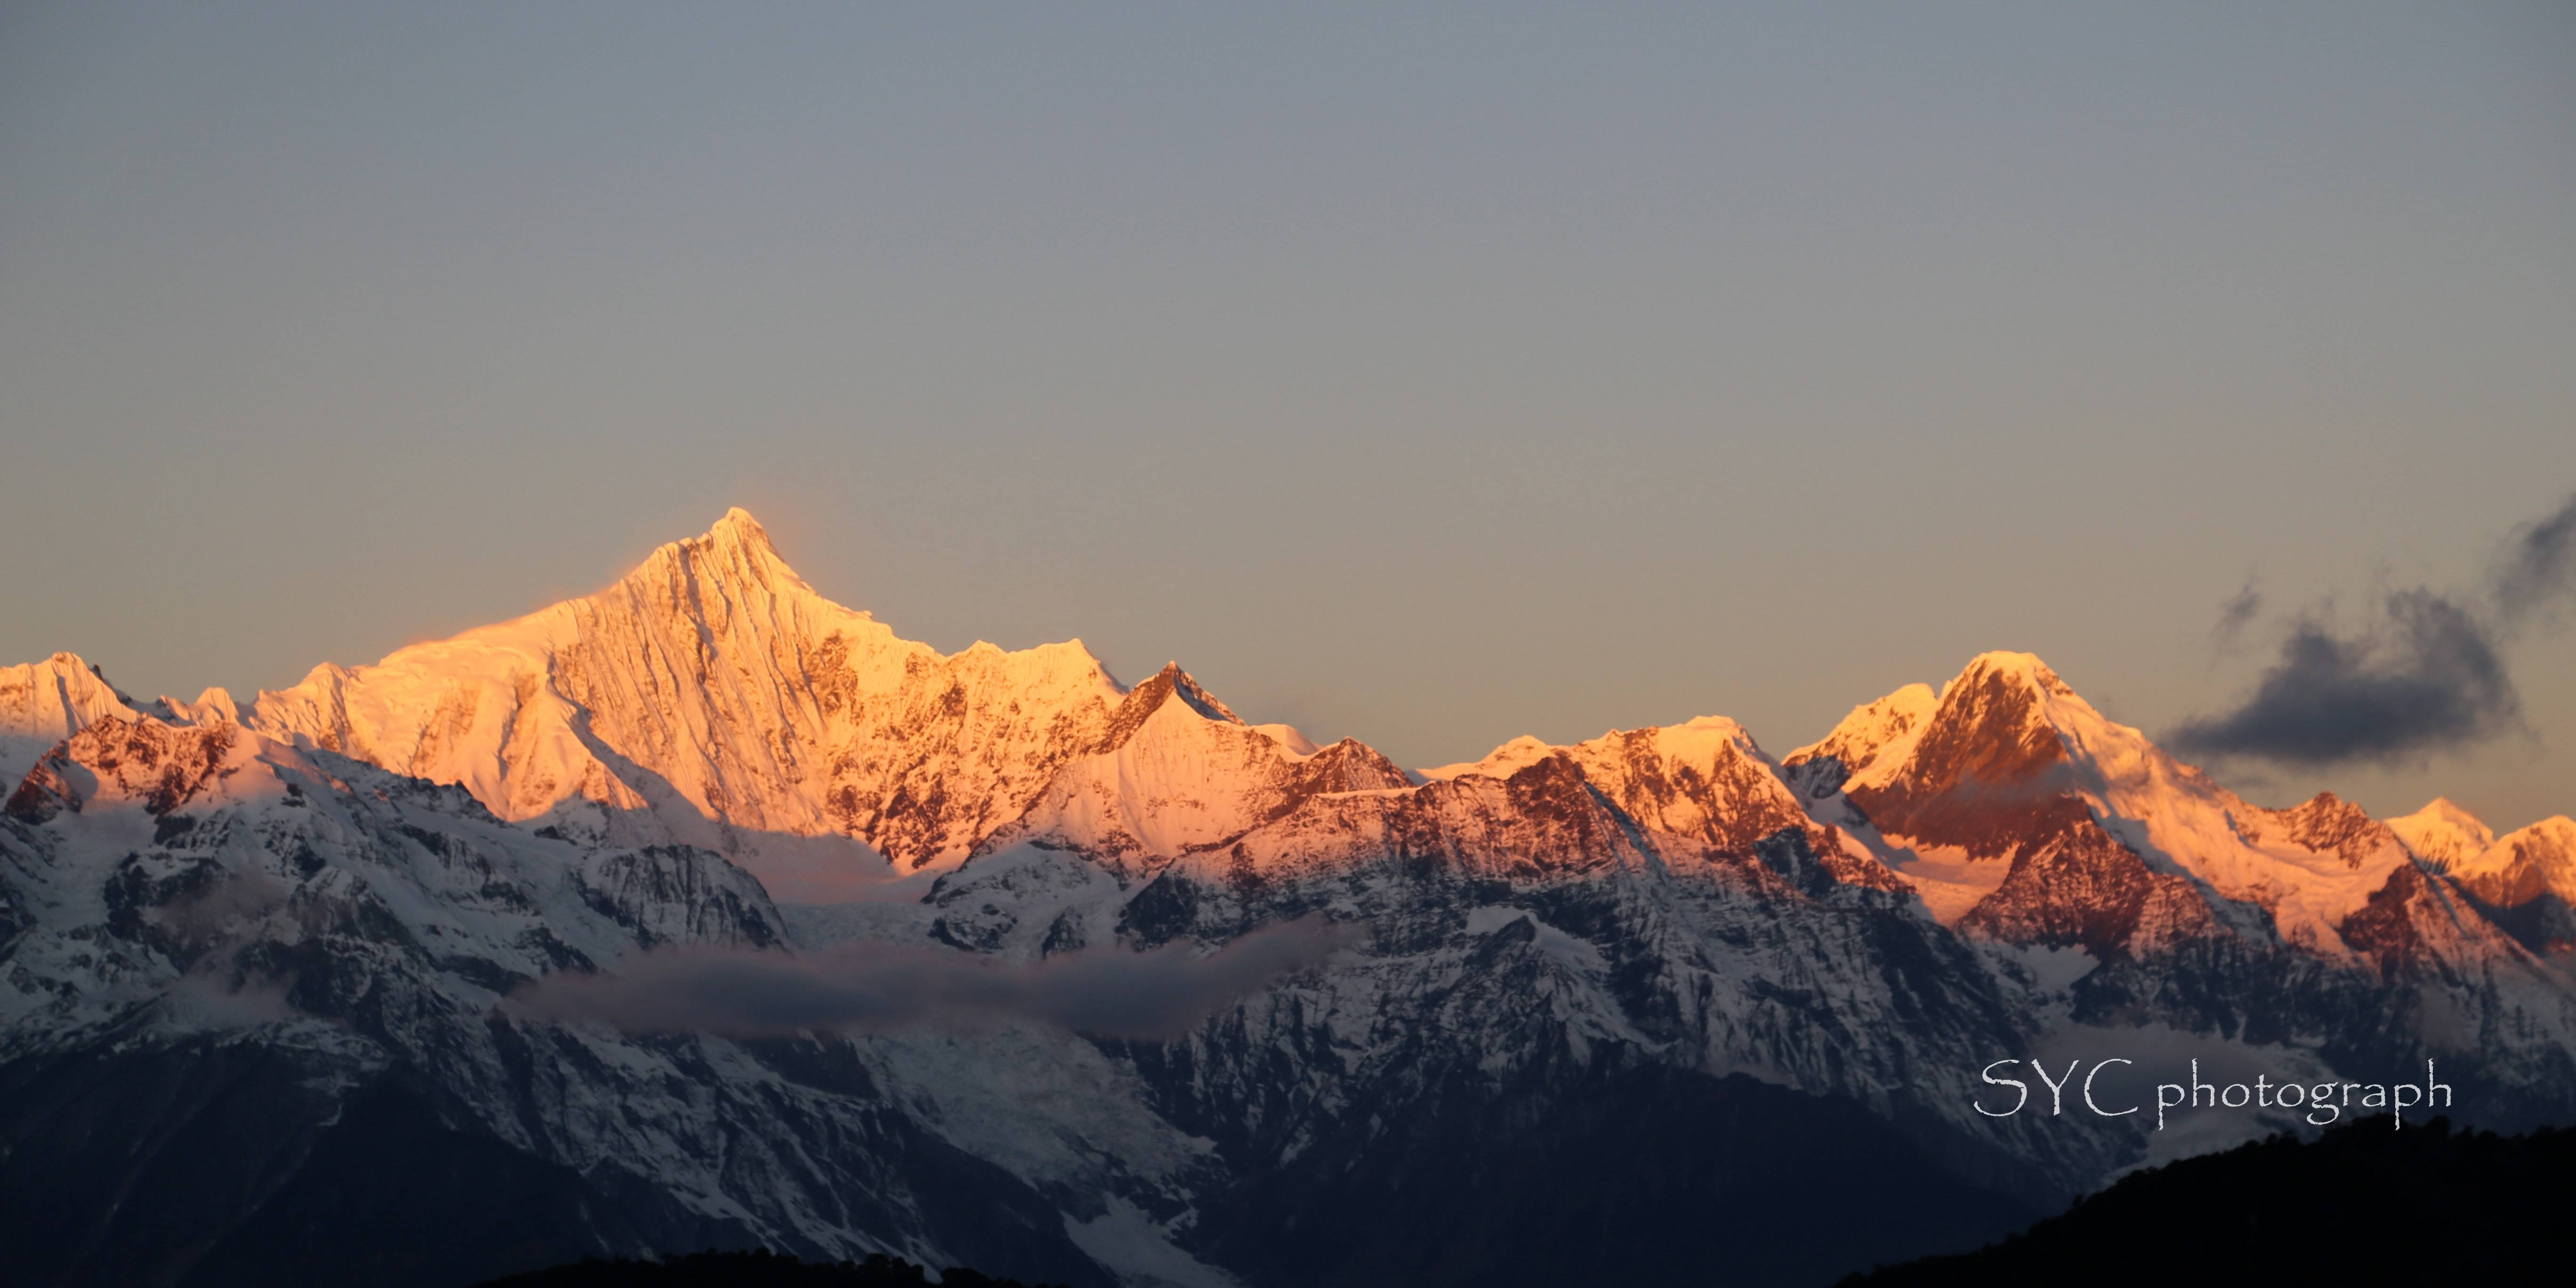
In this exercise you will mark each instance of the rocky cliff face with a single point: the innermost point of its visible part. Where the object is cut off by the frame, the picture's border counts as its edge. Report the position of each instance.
(1634, 1006)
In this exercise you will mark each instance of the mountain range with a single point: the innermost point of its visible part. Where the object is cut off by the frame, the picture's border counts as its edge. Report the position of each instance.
(1658, 1004)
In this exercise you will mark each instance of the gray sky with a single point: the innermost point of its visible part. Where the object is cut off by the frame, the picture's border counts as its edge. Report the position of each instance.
(1430, 376)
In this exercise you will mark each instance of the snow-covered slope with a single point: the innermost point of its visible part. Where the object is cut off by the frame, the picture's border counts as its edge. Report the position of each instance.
(712, 697)
(2523, 865)
(2526, 882)
(2017, 808)
(2443, 834)
(266, 973)
(1177, 771)
(1887, 727)
(42, 703)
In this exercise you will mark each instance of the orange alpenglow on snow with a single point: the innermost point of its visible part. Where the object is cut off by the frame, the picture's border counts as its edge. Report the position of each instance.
(712, 697)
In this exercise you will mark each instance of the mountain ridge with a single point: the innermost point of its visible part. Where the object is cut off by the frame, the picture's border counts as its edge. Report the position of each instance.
(712, 697)
(331, 893)
(736, 553)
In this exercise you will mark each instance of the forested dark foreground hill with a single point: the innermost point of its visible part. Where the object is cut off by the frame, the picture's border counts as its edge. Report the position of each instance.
(2364, 1203)
(746, 1270)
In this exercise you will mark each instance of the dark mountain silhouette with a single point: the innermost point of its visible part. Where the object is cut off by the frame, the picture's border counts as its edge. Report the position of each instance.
(2363, 1204)
(760, 1269)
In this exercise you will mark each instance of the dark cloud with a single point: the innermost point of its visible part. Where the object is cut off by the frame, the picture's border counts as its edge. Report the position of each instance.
(2237, 614)
(877, 987)
(2423, 676)
(2539, 567)
(2425, 673)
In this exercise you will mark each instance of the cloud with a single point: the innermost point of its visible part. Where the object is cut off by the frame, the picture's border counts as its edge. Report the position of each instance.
(2424, 673)
(875, 987)
(2422, 676)
(2237, 614)
(2539, 566)
(205, 999)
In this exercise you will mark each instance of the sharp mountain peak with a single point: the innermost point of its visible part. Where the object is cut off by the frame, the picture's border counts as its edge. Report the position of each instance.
(714, 692)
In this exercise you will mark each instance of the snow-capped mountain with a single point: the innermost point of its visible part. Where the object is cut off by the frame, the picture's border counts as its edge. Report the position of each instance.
(2525, 864)
(42, 703)
(2525, 881)
(2016, 809)
(2442, 833)
(246, 978)
(712, 697)
(1646, 1003)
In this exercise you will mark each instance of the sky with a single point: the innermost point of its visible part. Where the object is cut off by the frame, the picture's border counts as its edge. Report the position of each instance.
(1429, 374)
